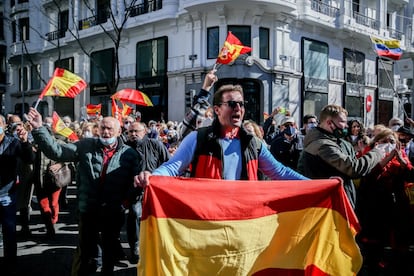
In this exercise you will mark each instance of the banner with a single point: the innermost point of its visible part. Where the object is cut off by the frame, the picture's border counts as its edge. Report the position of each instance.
(217, 227)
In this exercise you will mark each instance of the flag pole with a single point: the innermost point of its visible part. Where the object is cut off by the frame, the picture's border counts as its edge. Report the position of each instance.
(37, 103)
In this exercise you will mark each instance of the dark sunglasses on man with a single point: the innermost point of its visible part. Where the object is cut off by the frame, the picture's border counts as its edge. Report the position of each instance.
(233, 104)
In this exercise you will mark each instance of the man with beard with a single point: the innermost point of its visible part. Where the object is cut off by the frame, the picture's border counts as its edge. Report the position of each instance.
(153, 153)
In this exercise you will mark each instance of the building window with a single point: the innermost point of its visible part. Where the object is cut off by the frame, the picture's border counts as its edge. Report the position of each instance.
(355, 83)
(385, 97)
(35, 77)
(102, 71)
(264, 43)
(24, 29)
(1, 26)
(212, 42)
(3, 64)
(151, 56)
(102, 11)
(66, 63)
(23, 77)
(243, 33)
(315, 55)
(14, 31)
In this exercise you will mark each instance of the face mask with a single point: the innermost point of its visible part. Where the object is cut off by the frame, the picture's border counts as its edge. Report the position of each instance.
(395, 127)
(107, 141)
(338, 132)
(1, 130)
(87, 134)
(386, 147)
(311, 125)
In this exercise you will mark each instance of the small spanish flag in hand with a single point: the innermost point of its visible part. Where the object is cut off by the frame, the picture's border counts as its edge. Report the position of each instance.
(63, 84)
(59, 127)
(232, 48)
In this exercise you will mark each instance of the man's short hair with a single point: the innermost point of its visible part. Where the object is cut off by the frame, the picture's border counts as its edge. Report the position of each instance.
(307, 117)
(226, 88)
(331, 110)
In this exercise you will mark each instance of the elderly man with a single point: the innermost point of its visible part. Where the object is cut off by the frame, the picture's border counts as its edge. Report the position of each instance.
(154, 153)
(106, 168)
(224, 150)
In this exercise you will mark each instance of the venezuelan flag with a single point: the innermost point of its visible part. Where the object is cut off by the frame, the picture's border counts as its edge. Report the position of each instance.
(59, 127)
(219, 227)
(389, 48)
(63, 84)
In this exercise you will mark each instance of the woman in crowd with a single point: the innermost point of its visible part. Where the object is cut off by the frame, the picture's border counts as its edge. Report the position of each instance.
(383, 206)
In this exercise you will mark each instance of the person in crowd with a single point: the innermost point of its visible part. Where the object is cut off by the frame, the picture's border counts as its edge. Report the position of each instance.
(137, 116)
(383, 208)
(153, 130)
(67, 120)
(356, 133)
(284, 146)
(154, 153)
(193, 117)
(105, 175)
(395, 123)
(327, 154)
(309, 121)
(46, 191)
(405, 137)
(12, 151)
(25, 181)
(223, 150)
(270, 126)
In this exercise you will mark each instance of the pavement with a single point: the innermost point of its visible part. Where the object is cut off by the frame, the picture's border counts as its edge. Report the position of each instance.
(42, 256)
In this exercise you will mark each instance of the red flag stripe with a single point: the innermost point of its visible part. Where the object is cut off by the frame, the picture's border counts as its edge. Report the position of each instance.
(239, 201)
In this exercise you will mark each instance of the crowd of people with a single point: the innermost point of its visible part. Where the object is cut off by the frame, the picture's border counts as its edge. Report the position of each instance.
(114, 158)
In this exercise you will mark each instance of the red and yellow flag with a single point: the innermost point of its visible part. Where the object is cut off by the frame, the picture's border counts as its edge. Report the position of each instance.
(126, 110)
(63, 84)
(218, 227)
(93, 109)
(59, 127)
(231, 49)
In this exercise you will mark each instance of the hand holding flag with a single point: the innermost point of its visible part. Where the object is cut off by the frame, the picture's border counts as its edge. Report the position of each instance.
(63, 84)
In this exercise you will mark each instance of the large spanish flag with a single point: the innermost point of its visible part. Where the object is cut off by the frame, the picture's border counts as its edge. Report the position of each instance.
(59, 127)
(219, 227)
(63, 84)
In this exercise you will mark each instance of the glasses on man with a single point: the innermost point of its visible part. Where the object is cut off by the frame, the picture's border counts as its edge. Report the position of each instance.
(233, 104)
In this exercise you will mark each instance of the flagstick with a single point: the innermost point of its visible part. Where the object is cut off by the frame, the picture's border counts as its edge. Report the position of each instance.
(37, 103)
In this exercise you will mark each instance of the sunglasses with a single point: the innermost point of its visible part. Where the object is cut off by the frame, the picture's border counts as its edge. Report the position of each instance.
(233, 104)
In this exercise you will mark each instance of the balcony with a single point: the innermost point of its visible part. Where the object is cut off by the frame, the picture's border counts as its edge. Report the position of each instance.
(143, 8)
(324, 8)
(366, 21)
(55, 35)
(95, 20)
(396, 34)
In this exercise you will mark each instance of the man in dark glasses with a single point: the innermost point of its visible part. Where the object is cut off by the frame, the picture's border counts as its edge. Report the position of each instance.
(223, 150)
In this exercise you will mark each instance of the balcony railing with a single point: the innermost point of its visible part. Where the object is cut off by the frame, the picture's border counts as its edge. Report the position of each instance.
(101, 18)
(395, 33)
(143, 8)
(324, 8)
(55, 35)
(366, 21)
